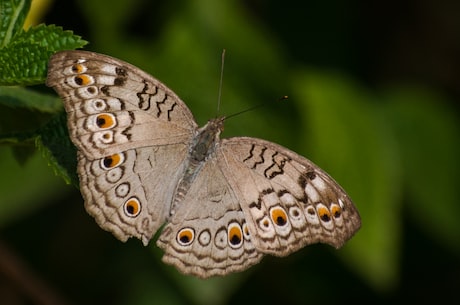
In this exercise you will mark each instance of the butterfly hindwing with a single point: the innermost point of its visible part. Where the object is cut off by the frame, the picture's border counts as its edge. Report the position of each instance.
(126, 192)
(207, 235)
(289, 202)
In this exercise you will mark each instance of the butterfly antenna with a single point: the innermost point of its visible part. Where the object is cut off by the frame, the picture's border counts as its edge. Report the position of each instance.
(219, 96)
(221, 81)
(284, 97)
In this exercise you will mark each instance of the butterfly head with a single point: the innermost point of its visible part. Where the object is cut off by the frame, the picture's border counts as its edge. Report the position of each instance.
(215, 126)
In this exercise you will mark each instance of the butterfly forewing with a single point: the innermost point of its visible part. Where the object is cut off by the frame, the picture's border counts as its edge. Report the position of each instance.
(132, 133)
(113, 106)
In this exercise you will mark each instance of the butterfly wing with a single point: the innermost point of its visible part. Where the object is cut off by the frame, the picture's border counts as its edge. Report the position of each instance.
(132, 133)
(128, 193)
(113, 106)
(208, 235)
(288, 201)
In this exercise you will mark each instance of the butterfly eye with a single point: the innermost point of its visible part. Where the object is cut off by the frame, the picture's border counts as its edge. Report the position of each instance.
(235, 235)
(185, 236)
(279, 216)
(105, 120)
(132, 207)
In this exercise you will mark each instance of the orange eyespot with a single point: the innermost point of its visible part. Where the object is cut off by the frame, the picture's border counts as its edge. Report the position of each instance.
(265, 223)
(278, 216)
(105, 120)
(112, 161)
(77, 68)
(336, 211)
(235, 235)
(83, 80)
(107, 136)
(324, 214)
(185, 236)
(132, 207)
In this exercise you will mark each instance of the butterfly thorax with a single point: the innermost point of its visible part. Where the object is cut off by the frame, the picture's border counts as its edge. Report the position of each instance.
(204, 143)
(202, 147)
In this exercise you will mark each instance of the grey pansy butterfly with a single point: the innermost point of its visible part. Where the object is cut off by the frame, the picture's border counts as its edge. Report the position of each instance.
(143, 162)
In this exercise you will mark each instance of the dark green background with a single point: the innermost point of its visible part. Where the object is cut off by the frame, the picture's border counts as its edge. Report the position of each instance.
(374, 90)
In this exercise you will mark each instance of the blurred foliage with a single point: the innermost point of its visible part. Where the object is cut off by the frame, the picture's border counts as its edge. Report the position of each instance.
(388, 136)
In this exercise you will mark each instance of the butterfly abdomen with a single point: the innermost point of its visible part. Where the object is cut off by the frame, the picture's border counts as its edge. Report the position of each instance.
(202, 147)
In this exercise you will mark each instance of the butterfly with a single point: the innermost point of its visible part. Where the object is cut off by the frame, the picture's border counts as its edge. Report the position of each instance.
(144, 164)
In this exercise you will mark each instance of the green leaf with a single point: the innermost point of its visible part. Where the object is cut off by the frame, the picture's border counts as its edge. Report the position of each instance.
(12, 16)
(24, 61)
(52, 37)
(22, 112)
(17, 97)
(57, 148)
(346, 136)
